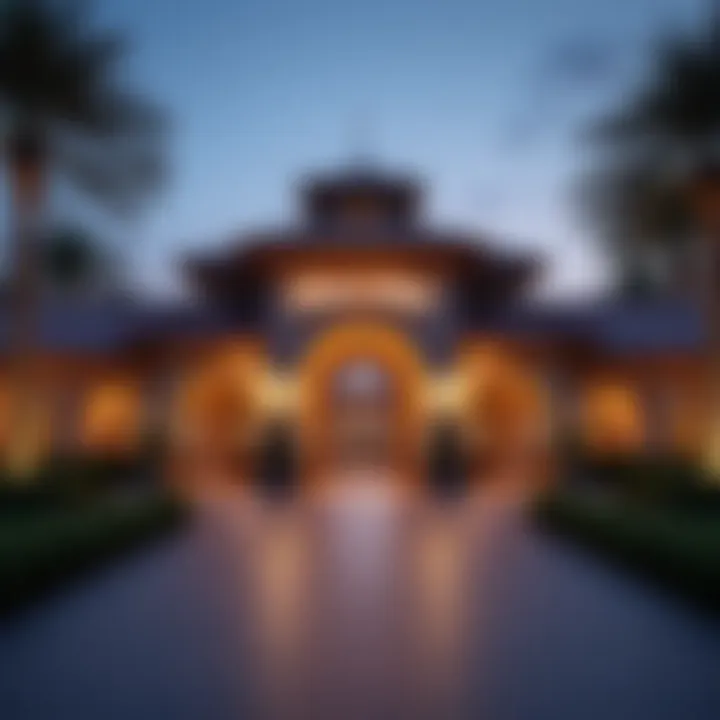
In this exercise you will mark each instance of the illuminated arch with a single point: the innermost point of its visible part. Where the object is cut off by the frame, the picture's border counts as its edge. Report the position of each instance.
(389, 348)
(613, 418)
(112, 417)
(211, 413)
(508, 412)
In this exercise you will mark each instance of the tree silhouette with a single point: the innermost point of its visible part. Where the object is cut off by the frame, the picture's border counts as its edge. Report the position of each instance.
(636, 192)
(63, 114)
(72, 260)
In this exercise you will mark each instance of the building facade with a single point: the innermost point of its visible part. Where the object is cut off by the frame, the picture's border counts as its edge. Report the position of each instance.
(364, 332)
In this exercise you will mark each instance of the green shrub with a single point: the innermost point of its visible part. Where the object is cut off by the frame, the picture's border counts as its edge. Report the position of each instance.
(662, 479)
(74, 479)
(28, 497)
(43, 549)
(676, 548)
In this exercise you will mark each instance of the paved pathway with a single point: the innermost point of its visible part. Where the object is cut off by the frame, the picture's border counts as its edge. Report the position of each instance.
(359, 604)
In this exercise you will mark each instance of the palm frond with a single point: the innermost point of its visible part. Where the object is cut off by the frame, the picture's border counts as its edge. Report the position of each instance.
(119, 173)
(58, 74)
(648, 147)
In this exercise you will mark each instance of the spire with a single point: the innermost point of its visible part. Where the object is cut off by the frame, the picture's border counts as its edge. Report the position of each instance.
(362, 155)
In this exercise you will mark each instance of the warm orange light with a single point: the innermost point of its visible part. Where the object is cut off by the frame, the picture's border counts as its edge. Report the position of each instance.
(213, 407)
(510, 411)
(112, 418)
(395, 354)
(319, 291)
(613, 419)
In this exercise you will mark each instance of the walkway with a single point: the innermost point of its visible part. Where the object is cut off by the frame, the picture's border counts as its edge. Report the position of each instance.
(359, 604)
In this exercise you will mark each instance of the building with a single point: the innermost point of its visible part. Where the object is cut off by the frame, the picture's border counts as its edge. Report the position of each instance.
(363, 331)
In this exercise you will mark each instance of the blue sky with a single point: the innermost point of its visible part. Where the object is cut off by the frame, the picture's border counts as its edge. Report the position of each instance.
(481, 98)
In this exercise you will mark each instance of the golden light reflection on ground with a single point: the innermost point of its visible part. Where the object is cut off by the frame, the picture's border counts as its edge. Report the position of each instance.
(358, 605)
(360, 595)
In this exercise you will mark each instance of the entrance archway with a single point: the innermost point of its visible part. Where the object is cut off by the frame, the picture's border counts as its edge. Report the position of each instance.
(373, 368)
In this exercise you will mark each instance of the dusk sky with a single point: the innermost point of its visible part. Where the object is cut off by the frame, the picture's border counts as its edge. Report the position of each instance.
(483, 99)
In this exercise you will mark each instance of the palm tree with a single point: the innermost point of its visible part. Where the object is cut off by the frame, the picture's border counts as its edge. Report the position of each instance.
(73, 264)
(63, 115)
(636, 194)
(74, 261)
(638, 210)
(657, 187)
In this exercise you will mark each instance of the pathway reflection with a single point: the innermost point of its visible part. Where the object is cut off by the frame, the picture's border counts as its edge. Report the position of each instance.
(361, 604)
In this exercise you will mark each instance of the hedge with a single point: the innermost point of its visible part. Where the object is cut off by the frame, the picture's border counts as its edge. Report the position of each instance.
(40, 550)
(73, 479)
(678, 549)
(667, 479)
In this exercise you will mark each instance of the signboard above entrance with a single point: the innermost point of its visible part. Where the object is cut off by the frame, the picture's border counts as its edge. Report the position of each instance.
(314, 292)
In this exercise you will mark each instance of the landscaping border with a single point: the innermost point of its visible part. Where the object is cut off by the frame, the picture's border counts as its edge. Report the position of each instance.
(41, 551)
(680, 552)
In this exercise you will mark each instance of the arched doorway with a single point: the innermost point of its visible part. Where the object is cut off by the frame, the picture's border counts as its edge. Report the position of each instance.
(362, 401)
(363, 404)
(211, 421)
(509, 419)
